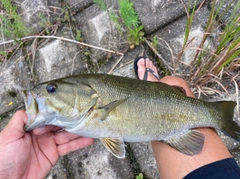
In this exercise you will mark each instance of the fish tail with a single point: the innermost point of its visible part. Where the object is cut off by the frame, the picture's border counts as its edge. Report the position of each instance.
(229, 127)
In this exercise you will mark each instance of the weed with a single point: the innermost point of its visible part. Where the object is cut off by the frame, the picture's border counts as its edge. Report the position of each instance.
(131, 20)
(140, 176)
(208, 64)
(76, 33)
(12, 25)
(128, 14)
(155, 42)
(188, 28)
(135, 36)
(46, 24)
(2, 116)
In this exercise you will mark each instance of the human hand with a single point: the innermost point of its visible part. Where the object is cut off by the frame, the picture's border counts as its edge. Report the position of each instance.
(32, 154)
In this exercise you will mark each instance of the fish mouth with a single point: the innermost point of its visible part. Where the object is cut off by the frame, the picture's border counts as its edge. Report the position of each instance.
(31, 109)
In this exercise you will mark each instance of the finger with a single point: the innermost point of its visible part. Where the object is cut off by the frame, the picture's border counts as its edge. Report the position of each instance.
(16, 124)
(64, 137)
(73, 145)
(45, 129)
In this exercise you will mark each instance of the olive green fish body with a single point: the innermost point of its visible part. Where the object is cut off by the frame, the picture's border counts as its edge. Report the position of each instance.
(149, 105)
(117, 109)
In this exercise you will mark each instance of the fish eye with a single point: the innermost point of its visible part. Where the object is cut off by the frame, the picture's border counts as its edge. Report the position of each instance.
(51, 88)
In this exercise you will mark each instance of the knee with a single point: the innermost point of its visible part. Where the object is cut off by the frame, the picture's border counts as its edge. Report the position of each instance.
(176, 81)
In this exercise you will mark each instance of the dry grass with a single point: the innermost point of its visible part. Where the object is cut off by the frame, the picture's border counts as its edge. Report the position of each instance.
(209, 66)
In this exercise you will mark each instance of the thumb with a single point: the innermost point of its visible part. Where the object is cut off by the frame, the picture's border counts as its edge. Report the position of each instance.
(15, 126)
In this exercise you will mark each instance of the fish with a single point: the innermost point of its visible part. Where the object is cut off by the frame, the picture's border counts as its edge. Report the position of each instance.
(117, 109)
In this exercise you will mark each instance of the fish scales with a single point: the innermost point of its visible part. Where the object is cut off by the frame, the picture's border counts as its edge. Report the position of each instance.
(168, 107)
(117, 109)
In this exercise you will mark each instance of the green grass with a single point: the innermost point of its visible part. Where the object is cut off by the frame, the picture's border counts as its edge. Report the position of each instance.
(131, 21)
(140, 176)
(208, 64)
(211, 63)
(68, 17)
(154, 42)
(128, 14)
(12, 25)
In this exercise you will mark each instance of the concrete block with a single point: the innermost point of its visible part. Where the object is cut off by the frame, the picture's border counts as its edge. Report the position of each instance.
(78, 5)
(14, 75)
(98, 30)
(37, 13)
(158, 13)
(4, 118)
(92, 162)
(59, 58)
(171, 39)
(145, 158)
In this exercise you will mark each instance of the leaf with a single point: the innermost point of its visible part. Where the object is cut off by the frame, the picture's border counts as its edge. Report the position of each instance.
(128, 14)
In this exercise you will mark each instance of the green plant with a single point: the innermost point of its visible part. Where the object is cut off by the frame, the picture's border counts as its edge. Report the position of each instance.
(12, 25)
(189, 21)
(140, 176)
(155, 41)
(2, 116)
(135, 36)
(128, 14)
(46, 24)
(76, 33)
(131, 20)
(208, 64)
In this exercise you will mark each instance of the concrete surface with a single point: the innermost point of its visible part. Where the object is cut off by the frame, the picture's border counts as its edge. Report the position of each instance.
(47, 59)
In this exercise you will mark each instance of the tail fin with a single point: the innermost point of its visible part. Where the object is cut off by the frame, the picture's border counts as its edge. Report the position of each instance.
(230, 127)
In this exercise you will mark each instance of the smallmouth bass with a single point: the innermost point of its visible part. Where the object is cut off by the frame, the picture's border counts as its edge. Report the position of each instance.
(116, 109)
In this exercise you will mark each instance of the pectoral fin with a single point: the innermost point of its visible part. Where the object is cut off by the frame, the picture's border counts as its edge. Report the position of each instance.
(105, 110)
(109, 107)
(190, 144)
(114, 146)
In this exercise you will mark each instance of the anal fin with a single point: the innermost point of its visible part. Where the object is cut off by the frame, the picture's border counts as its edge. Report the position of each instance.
(190, 144)
(114, 145)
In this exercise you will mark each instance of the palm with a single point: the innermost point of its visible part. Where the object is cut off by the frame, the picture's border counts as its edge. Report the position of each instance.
(32, 155)
(42, 153)
(26, 155)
